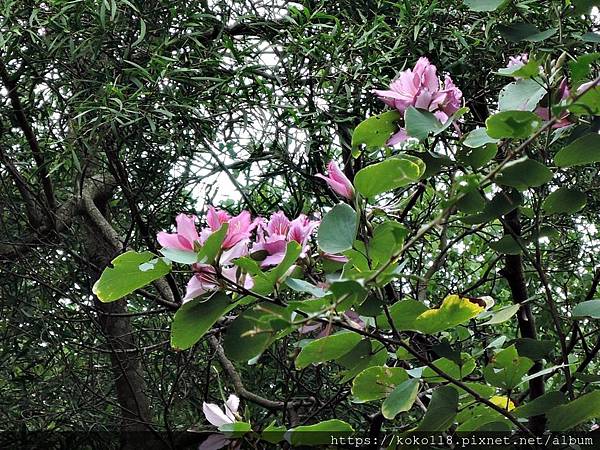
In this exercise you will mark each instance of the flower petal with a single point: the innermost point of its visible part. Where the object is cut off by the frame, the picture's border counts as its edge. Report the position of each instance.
(231, 405)
(215, 415)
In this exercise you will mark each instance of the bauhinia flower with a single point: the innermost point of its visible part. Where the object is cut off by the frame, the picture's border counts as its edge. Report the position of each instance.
(217, 416)
(421, 87)
(205, 279)
(517, 61)
(337, 180)
(273, 237)
(185, 237)
(239, 227)
(544, 112)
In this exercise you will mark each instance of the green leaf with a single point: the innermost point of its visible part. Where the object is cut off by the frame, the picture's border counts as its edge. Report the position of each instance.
(338, 229)
(129, 271)
(588, 104)
(520, 31)
(581, 67)
(513, 124)
(476, 157)
(388, 238)
(590, 308)
(503, 315)
(142, 33)
(180, 256)
(273, 433)
(420, 123)
(434, 163)
(591, 37)
(453, 311)
(471, 203)
(479, 416)
(404, 314)
(565, 417)
(212, 246)
(196, 317)
(442, 410)
(541, 405)
(401, 399)
(306, 287)
(251, 332)
(319, 434)
(585, 150)
(376, 382)
(375, 131)
(524, 173)
(387, 175)
(507, 245)
(478, 138)
(502, 203)
(347, 293)
(535, 349)
(521, 95)
(327, 348)
(450, 368)
(564, 201)
(485, 5)
(367, 353)
(235, 429)
(507, 368)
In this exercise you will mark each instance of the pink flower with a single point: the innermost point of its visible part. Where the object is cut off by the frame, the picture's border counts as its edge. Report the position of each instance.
(421, 88)
(274, 236)
(338, 181)
(217, 416)
(185, 237)
(205, 280)
(562, 93)
(215, 218)
(239, 227)
(300, 230)
(517, 61)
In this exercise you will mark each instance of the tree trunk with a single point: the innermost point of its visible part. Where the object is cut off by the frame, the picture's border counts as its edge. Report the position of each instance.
(102, 245)
(513, 272)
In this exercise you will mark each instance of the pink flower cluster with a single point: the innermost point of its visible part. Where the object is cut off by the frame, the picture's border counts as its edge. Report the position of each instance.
(265, 240)
(421, 87)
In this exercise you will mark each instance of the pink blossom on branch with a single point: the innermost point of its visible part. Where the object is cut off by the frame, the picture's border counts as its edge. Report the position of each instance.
(422, 88)
(205, 278)
(338, 181)
(239, 227)
(184, 238)
(273, 237)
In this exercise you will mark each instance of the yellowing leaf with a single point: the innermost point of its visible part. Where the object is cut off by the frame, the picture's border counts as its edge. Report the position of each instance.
(453, 311)
(503, 402)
